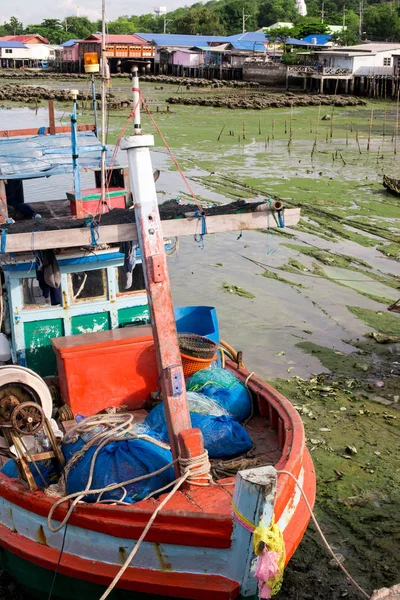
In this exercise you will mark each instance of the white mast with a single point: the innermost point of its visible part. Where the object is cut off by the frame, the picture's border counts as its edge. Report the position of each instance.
(103, 105)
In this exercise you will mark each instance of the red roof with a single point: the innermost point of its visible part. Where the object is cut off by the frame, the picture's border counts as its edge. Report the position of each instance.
(117, 39)
(25, 38)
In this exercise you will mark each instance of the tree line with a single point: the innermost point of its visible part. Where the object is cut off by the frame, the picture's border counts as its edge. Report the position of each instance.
(380, 20)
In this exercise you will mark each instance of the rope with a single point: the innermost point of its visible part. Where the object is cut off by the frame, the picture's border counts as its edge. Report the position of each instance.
(325, 541)
(198, 465)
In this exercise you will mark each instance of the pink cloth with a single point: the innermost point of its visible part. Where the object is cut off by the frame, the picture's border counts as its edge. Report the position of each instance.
(267, 566)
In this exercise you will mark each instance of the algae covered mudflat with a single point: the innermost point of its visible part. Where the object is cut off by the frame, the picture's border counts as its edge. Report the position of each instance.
(313, 319)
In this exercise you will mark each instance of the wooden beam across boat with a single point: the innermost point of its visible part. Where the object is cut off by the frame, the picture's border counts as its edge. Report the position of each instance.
(125, 232)
(7, 133)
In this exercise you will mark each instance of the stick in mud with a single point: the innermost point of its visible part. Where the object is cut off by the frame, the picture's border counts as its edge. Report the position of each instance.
(396, 130)
(244, 131)
(273, 129)
(317, 123)
(331, 131)
(221, 132)
(370, 128)
(358, 142)
(384, 123)
(285, 127)
(347, 135)
(259, 126)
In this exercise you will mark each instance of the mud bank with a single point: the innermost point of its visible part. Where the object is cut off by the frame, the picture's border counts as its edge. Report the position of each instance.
(260, 101)
(33, 95)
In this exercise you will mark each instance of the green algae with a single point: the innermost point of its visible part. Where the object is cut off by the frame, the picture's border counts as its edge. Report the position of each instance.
(276, 277)
(237, 291)
(390, 250)
(384, 322)
(328, 258)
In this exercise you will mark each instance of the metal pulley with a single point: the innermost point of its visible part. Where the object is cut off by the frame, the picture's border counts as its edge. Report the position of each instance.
(27, 418)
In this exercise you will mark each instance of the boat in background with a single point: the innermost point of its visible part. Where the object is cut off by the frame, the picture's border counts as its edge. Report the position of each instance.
(392, 185)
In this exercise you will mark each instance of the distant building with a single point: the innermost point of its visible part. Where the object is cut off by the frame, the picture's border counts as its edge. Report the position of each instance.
(122, 51)
(31, 38)
(70, 51)
(27, 51)
(13, 54)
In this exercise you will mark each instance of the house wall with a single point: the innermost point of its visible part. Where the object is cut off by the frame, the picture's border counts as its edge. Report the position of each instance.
(41, 52)
(15, 53)
(370, 64)
(70, 53)
(186, 59)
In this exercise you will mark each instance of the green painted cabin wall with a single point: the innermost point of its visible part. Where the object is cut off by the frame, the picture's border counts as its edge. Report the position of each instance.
(134, 314)
(39, 352)
(90, 323)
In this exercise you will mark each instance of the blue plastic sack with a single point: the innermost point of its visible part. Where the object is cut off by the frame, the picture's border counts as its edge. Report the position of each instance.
(118, 462)
(223, 436)
(47, 471)
(224, 387)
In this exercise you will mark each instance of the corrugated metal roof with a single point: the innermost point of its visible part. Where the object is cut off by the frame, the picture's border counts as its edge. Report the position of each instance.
(188, 41)
(133, 38)
(11, 44)
(297, 42)
(25, 38)
(69, 43)
(253, 46)
(249, 36)
(322, 39)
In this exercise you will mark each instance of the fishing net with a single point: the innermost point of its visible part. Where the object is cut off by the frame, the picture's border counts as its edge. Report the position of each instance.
(225, 388)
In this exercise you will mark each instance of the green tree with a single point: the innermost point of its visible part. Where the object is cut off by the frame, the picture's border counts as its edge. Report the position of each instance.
(308, 26)
(279, 34)
(13, 27)
(382, 23)
(78, 27)
(51, 29)
(199, 20)
(273, 11)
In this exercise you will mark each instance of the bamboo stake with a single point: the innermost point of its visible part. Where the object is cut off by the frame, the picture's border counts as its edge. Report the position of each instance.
(273, 129)
(259, 126)
(285, 127)
(331, 132)
(384, 123)
(244, 131)
(370, 128)
(396, 131)
(358, 142)
(221, 132)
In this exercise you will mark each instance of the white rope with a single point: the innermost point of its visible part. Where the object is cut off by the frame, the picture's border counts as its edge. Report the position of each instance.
(193, 467)
(325, 541)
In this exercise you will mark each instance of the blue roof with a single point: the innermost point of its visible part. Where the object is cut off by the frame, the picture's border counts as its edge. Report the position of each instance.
(172, 39)
(249, 36)
(297, 42)
(69, 43)
(254, 46)
(45, 155)
(10, 44)
(322, 39)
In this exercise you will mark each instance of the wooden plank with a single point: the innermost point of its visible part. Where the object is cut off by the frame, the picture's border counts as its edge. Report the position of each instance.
(52, 118)
(69, 238)
(7, 133)
(3, 202)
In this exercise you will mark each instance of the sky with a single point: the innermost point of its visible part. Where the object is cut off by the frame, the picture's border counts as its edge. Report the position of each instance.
(34, 12)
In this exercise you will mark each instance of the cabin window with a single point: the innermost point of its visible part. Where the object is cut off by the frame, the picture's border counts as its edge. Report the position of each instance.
(34, 296)
(138, 284)
(88, 285)
(387, 62)
(7, 51)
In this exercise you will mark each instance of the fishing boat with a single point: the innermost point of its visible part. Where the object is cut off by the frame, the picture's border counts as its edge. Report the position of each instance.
(86, 343)
(392, 185)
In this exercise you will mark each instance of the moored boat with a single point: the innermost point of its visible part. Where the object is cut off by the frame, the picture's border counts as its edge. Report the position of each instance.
(207, 537)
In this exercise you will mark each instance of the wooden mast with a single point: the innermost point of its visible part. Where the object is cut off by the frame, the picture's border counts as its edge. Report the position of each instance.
(155, 270)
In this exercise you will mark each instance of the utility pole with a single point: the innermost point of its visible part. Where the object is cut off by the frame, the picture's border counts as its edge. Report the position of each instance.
(344, 16)
(245, 17)
(322, 12)
(361, 18)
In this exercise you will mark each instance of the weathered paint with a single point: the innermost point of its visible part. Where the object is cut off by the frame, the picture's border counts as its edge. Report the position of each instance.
(134, 314)
(69, 310)
(90, 323)
(39, 353)
(155, 270)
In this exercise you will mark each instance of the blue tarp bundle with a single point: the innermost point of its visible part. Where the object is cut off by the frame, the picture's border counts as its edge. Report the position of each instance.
(118, 462)
(223, 436)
